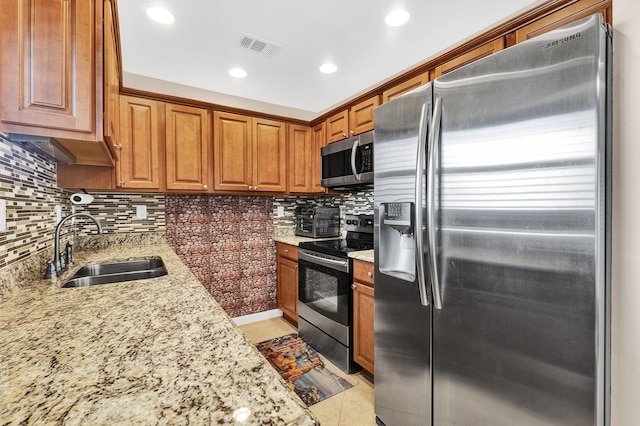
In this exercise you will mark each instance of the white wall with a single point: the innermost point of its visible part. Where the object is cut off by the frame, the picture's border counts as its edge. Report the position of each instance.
(625, 363)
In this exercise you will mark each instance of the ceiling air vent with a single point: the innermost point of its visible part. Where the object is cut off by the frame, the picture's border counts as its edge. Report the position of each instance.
(258, 45)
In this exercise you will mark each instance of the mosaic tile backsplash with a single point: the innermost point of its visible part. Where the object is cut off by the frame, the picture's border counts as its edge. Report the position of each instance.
(227, 242)
(28, 186)
(357, 202)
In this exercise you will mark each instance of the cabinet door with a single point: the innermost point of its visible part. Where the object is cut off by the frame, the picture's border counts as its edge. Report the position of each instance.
(318, 138)
(363, 325)
(269, 155)
(287, 288)
(405, 87)
(232, 152)
(361, 116)
(111, 79)
(138, 165)
(187, 148)
(471, 56)
(300, 159)
(48, 65)
(575, 11)
(337, 126)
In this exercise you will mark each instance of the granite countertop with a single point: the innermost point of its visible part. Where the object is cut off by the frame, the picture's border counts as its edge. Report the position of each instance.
(156, 351)
(366, 255)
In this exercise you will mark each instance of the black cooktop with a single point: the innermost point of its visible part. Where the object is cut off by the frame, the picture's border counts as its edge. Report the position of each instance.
(359, 237)
(339, 247)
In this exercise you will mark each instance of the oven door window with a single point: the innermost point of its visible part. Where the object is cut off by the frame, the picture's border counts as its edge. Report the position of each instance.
(325, 290)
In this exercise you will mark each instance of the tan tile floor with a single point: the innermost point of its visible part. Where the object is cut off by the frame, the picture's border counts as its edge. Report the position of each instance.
(353, 407)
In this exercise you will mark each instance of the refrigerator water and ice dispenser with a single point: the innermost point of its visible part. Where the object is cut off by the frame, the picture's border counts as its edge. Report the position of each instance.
(397, 242)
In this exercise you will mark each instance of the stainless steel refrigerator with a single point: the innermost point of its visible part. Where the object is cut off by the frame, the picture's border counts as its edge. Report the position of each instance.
(492, 239)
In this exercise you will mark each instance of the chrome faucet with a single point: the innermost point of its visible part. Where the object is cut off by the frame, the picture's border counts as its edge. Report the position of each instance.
(60, 260)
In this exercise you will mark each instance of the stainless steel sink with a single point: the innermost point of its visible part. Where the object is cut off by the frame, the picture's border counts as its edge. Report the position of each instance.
(116, 272)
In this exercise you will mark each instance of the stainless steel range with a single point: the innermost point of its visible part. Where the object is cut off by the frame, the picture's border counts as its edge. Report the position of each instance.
(325, 301)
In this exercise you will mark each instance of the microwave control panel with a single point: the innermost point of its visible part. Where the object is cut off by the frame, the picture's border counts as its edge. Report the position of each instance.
(367, 157)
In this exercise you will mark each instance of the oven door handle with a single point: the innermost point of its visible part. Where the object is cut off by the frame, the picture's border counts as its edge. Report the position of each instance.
(339, 265)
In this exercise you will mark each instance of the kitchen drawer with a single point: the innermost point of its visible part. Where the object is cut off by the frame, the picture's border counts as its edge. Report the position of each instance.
(363, 271)
(287, 250)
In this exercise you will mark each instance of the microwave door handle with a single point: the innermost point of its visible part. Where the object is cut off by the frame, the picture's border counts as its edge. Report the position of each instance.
(354, 153)
(418, 231)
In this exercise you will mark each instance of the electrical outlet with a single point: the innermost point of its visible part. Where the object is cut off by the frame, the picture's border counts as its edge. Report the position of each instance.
(58, 209)
(280, 211)
(141, 212)
(3, 215)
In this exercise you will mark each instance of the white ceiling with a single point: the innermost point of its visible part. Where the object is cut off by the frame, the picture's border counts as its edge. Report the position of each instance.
(191, 57)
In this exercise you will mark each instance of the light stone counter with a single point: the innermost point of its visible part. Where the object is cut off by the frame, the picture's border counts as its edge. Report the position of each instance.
(157, 351)
(366, 255)
(294, 240)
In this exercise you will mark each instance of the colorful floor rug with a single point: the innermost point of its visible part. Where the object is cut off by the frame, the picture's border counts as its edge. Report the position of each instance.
(303, 368)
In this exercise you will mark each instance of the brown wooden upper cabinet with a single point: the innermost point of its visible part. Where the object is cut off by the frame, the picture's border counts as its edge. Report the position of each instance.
(573, 12)
(138, 162)
(52, 74)
(111, 78)
(318, 140)
(471, 56)
(250, 153)
(357, 119)
(300, 159)
(187, 143)
(405, 86)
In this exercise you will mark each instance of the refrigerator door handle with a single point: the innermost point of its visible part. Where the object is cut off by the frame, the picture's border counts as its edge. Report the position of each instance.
(434, 154)
(422, 142)
(354, 152)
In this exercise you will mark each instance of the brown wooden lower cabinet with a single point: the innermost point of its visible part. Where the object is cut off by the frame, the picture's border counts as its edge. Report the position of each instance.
(287, 280)
(363, 309)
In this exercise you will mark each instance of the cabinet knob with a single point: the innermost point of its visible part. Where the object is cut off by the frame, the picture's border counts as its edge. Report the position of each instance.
(250, 188)
(353, 287)
(255, 188)
(205, 187)
(286, 250)
(370, 274)
(344, 135)
(352, 133)
(118, 146)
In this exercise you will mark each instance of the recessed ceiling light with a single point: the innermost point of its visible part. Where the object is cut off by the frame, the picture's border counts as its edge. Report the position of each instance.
(161, 15)
(237, 73)
(328, 68)
(397, 18)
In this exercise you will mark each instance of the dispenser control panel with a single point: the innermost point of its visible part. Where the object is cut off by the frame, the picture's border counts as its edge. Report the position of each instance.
(397, 212)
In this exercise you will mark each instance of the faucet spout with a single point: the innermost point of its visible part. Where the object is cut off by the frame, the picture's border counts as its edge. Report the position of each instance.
(57, 255)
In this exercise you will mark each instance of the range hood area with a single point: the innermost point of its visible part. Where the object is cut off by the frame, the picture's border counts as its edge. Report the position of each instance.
(45, 146)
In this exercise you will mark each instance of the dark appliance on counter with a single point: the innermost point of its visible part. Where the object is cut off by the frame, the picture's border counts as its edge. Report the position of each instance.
(348, 164)
(317, 221)
(325, 301)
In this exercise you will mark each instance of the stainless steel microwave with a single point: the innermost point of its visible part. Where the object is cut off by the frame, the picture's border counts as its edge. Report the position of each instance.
(348, 164)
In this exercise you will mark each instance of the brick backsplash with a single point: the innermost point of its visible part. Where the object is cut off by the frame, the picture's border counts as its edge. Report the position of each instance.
(227, 242)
